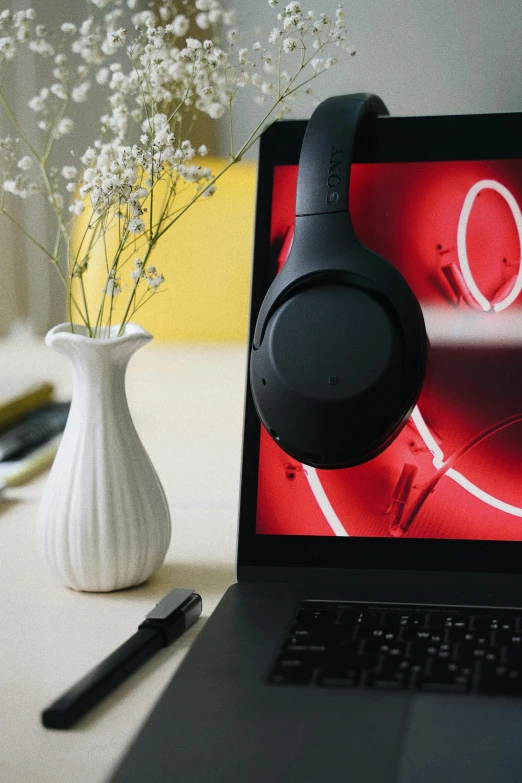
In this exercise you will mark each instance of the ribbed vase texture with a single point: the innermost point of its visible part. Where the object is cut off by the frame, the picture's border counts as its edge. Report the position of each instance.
(103, 521)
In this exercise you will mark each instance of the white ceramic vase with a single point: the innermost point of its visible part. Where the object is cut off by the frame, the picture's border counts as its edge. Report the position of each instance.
(103, 521)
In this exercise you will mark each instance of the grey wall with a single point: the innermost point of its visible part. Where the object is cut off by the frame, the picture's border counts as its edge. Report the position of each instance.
(420, 56)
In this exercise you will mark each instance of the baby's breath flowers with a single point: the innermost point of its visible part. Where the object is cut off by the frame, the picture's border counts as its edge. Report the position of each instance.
(141, 172)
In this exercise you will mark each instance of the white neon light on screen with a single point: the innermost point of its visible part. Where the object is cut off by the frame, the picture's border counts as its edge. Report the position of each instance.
(487, 184)
(438, 462)
(323, 501)
(417, 418)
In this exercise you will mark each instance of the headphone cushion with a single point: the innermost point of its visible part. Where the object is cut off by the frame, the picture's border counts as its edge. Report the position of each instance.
(332, 356)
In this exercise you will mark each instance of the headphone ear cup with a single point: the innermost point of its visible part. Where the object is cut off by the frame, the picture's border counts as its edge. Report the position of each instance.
(328, 379)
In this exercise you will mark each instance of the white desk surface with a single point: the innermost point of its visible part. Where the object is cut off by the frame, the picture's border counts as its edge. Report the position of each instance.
(187, 404)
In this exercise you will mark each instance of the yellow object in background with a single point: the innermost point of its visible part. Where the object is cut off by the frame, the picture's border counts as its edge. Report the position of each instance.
(206, 259)
(15, 404)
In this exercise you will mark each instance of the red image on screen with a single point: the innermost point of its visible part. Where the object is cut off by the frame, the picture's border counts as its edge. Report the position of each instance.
(454, 230)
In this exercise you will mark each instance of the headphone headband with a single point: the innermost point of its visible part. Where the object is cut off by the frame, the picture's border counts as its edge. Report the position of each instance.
(326, 155)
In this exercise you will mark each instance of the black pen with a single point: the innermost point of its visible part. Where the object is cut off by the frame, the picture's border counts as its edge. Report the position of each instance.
(170, 617)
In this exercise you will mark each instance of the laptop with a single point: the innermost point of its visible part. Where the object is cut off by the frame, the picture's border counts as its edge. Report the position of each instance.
(375, 630)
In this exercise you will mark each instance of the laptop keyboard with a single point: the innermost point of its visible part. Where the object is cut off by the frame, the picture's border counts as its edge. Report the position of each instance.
(347, 645)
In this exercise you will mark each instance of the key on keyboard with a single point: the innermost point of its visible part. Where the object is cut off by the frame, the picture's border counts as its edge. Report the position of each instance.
(346, 645)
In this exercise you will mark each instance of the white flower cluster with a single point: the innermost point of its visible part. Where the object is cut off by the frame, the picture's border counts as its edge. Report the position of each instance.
(14, 29)
(20, 186)
(15, 168)
(306, 37)
(157, 81)
(192, 75)
(120, 177)
(150, 275)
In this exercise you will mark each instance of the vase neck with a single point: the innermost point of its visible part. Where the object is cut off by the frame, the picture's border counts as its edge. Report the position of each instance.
(99, 365)
(110, 349)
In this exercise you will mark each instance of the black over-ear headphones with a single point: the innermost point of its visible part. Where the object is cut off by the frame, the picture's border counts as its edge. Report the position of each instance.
(339, 349)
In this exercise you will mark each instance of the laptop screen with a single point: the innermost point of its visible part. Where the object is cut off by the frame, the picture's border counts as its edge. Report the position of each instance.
(441, 199)
(454, 230)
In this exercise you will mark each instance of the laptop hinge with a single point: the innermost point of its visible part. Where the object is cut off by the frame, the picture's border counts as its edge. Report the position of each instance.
(426, 587)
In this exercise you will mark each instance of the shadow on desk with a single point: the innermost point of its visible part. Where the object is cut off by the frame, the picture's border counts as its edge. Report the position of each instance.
(207, 578)
(203, 577)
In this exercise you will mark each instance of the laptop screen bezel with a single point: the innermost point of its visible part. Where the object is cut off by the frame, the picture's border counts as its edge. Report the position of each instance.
(384, 139)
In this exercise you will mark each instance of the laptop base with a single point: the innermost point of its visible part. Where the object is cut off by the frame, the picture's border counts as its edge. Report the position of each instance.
(220, 721)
